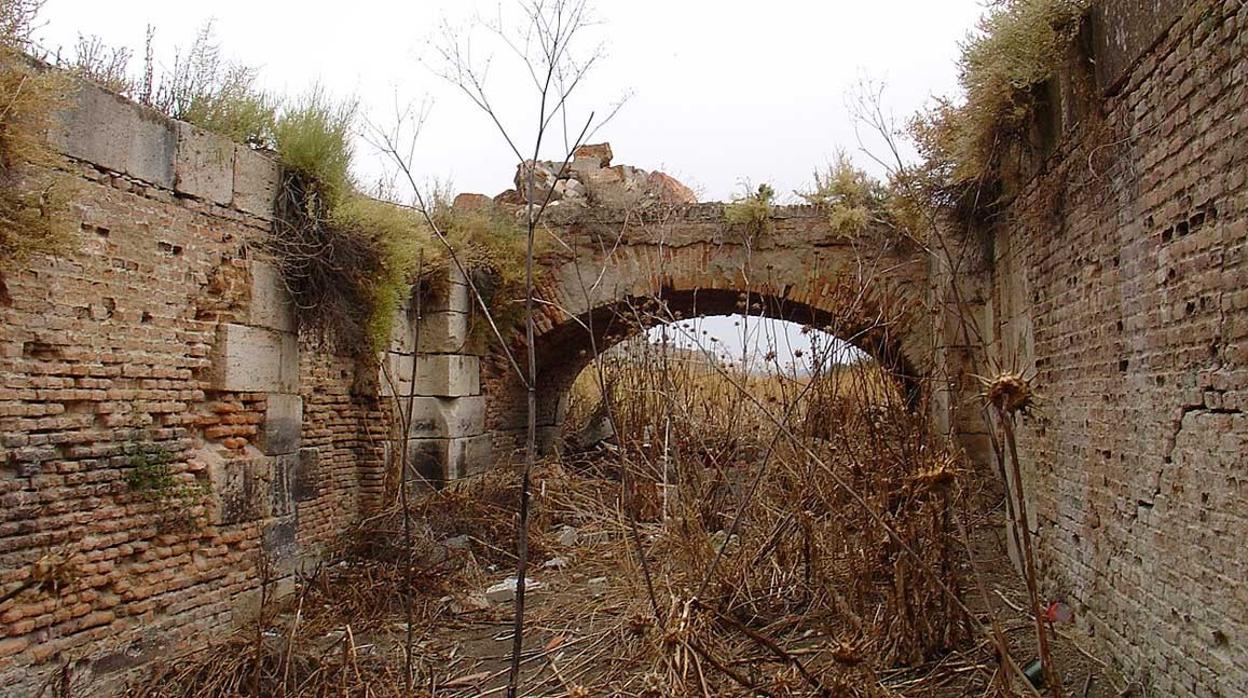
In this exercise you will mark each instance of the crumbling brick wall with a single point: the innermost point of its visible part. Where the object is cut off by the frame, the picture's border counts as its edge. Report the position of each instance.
(148, 435)
(1121, 282)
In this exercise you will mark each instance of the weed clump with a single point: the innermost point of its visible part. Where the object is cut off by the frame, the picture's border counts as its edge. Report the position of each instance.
(150, 475)
(967, 147)
(751, 211)
(852, 198)
(32, 200)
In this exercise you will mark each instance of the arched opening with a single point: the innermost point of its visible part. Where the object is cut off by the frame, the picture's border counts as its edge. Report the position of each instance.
(716, 371)
(853, 329)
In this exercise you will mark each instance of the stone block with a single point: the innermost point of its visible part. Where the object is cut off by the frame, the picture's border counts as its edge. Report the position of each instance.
(444, 332)
(306, 483)
(254, 359)
(271, 304)
(283, 470)
(204, 165)
(470, 455)
(600, 152)
(439, 459)
(283, 424)
(448, 375)
(401, 336)
(458, 296)
(257, 179)
(437, 375)
(1122, 31)
(426, 459)
(279, 540)
(109, 131)
(394, 374)
(240, 487)
(447, 417)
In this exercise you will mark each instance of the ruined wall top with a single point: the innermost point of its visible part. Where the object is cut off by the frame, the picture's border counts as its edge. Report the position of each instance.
(116, 134)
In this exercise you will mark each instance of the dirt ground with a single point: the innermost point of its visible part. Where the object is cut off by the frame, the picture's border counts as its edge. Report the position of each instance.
(473, 648)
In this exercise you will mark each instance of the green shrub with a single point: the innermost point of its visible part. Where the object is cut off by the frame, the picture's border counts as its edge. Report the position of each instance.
(313, 140)
(752, 210)
(150, 475)
(492, 246)
(400, 242)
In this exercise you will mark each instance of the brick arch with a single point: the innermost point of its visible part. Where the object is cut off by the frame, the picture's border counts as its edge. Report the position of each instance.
(868, 290)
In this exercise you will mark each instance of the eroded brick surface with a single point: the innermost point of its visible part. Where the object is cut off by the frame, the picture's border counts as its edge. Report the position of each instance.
(118, 448)
(1123, 284)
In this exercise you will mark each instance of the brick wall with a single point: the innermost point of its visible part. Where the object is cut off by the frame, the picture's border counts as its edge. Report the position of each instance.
(160, 421)
(1121, 281)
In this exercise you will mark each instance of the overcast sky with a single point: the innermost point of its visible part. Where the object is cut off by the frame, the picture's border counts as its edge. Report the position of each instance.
(722, 91)
(719, 92)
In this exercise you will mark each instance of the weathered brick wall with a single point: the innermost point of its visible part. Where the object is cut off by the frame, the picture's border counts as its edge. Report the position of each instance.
(1121, 281)
(140, 348)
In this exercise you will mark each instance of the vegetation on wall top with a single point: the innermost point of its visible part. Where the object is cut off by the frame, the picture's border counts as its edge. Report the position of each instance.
(32, 199)
(751, 210)
(349, 259)
(967, 147)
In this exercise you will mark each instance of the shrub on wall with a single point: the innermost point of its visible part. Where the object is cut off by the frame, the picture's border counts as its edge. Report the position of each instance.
(32, 199)
(345, 258)
(852, 198)
(752, 210)
(491, 245)
(201, 87)
(1019, 47)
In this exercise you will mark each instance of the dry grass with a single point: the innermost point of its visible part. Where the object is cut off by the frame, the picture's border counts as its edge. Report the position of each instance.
(32, 198)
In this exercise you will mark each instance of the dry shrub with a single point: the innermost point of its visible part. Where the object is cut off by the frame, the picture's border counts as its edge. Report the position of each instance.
(853, 199)
(830, 540)
(32, 199)
(966, 147)
(481, 507)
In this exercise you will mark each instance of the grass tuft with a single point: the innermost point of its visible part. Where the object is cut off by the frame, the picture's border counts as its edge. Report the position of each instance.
(751, 211)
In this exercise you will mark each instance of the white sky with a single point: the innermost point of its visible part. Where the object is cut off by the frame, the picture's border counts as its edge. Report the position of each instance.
(723, 91)
(727, 335)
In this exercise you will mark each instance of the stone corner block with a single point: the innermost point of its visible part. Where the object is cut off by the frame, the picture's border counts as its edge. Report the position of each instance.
(437, 375)
(439, 459)
(112, 132)
(448, 375)
(470, 455)
(279, 541)
(447, 417)
(271, 304)
(306, 482)
(240, 487)
(283, 424)
(443, 332)
(257, 179)
(254, 359)
(204, 165)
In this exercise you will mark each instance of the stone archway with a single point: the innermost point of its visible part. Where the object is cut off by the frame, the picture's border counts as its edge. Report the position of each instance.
(616, 268)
